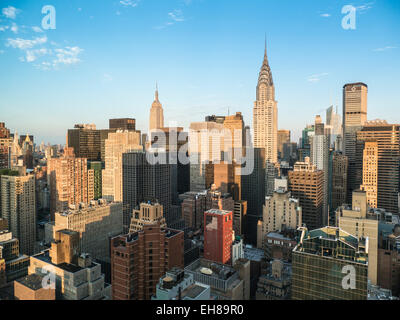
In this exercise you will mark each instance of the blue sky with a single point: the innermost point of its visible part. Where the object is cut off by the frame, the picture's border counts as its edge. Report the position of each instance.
(104, 58)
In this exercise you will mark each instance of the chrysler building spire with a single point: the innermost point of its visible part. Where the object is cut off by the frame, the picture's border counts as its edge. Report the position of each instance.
(265, 113)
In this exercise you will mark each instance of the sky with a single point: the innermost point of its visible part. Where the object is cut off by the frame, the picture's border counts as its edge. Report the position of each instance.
(104, 58)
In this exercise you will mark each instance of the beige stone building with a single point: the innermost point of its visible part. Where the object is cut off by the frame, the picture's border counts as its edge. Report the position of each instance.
(358, 222)
(31, 288)
(76, 276)
(156, 114)
(68, 180)
(280, 212)
(117, 143)
(96, 223)
(18, 207)
(370, 173)
(206, 142)
(265, 114)
(148, 213)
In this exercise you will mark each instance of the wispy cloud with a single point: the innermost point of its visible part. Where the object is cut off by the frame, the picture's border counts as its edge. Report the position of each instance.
(176, 15)
(325, 15)
(37, 29)
(14, 27)
(129, 3)
(384, 48)
(10, 12)
(173, 17)
(24, 44)
(364, 7)
(317, 77)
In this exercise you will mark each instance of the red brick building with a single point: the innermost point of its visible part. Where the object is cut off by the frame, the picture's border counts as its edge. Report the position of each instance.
(218, 235)
(140, 259)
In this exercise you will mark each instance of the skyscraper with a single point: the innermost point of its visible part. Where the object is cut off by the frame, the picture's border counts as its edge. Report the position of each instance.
(388, 140)
(156, 114)
(117, 143)
(370, 173)
(283, 137)
(5, 144)
(218, 235)
(18, 207)
(68, 180)
(321, 262)
(140, 259)
(306, 183)
(338, 180)
(265, 114)
(355, 100)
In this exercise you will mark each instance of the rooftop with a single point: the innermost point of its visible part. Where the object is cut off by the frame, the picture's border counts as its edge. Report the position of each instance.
(32, 281)
(218, 212)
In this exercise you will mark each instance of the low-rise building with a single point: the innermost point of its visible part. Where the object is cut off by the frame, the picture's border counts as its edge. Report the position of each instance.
(31, 288)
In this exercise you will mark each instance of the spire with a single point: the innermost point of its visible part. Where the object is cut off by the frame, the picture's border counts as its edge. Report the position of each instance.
(265, 73)
(156, 92)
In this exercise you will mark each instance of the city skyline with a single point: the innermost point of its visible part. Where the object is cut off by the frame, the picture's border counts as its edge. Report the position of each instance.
(177, 49)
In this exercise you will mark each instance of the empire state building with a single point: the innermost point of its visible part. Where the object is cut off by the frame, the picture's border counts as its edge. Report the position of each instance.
(265, 114)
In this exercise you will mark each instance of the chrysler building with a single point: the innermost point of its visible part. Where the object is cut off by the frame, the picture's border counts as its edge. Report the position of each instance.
(265, 114)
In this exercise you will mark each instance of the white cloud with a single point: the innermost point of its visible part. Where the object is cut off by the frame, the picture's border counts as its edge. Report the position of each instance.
(32, 55)
(67, 56)
(129, 3)
(325, 15)
(3, 28)
(176, 15)
(364, 7)
(24, 44)
(14, 28)
(384, 48)
(10, 12)
(316, 77)
(37, 29)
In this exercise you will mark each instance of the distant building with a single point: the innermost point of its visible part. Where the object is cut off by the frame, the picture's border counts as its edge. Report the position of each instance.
(178, 285)
(96, 223)
(226, 283)
(148, 213)
(156, 114)
(276, 285)
(140, 259)
(321, 261)
(281, 211)
(18, 207)
(283, 137)
(123, 124)
(77, 277)
(13, 264)
(31, 288)
(338, 180)
(306, 183)
(218, 236)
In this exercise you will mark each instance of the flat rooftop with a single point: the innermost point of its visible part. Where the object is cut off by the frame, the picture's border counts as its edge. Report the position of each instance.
(218, 212)
(32, 281)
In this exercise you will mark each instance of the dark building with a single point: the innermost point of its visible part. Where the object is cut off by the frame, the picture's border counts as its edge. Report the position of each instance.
(123, 124)
(329, 264)
(96, 167)
(338, 180)
(253, 191)
(85, 140)
(140, 259)
(143, 181)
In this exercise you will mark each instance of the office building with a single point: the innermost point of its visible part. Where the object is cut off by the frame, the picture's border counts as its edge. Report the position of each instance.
(31, 288)
(370, 173)
(338, 180)
(116, 144)
(140, 259)
(147, 213)
(253, 191)
(156, 114)
(124, 124)
(95, 180)
(77, 277)
(329, 264)
(276, 285)
(218, 236)
(387, 137)
(265, 113)
(5, 145)
(68, 180)
(283, 137)
(280, 212)
(306, 183)
(355, 105)
(178, 285)
(18, 207)
(96, 223)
